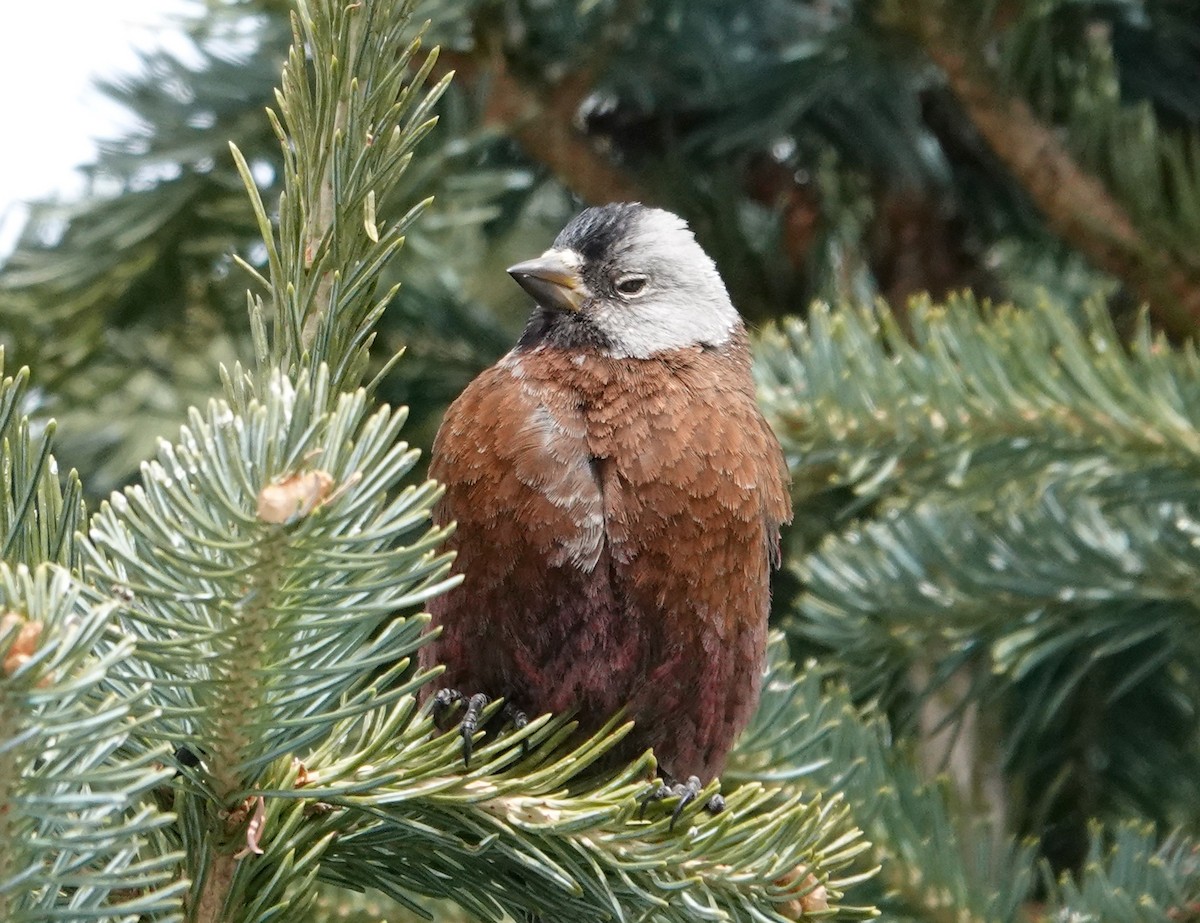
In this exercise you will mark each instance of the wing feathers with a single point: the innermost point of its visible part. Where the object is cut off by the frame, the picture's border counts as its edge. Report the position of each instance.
(614, 523)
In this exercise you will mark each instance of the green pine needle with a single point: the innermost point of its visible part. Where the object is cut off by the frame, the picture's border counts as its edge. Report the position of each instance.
(81, 840)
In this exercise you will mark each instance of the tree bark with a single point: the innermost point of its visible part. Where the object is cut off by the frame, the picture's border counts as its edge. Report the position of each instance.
(1076, 204)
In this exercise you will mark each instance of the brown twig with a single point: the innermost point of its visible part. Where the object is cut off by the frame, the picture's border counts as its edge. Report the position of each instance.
(218, 882)
(543, 123)
(1075, 203)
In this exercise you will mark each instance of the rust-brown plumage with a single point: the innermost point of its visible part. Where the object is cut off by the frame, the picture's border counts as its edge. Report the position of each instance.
(616, 515)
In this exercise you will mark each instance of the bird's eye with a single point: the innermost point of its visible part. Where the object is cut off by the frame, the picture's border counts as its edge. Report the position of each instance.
(631, 285)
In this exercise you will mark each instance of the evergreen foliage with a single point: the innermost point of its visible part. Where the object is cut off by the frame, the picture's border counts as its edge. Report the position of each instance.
(1021, 544)
(82, 838)
(39, 511)
(245, 687)
(811, 144)
(208, 704)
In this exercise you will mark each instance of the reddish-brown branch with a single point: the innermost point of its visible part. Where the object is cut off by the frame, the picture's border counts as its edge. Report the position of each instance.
(543, 123)
(1075, 203)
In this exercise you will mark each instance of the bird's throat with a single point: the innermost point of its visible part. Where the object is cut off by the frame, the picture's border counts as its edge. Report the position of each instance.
(562, 330)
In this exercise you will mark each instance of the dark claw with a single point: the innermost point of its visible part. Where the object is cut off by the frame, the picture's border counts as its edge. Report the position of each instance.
(518, 719)
(655, 794)
(514, 716)
(687, 794)
(446, 699)
(470, 723)
(443, 701)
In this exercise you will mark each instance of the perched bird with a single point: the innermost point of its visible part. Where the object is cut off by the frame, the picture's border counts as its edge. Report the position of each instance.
(618, 497)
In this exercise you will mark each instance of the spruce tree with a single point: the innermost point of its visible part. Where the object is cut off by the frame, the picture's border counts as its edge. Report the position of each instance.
(985, 659)
(839, 150)
(209, 698)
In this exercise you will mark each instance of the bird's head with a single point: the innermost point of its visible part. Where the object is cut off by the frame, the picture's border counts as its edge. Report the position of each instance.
(629, 281)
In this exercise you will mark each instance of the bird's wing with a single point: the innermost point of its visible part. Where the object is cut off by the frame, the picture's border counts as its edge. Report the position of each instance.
(512, 455)
(776, 480)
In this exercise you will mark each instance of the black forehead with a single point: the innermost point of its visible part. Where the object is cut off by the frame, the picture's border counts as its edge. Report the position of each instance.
(595, 232)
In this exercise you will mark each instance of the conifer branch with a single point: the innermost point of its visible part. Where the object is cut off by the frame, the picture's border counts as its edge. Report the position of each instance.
(1032, 522)
(263, 556)
(934, 863)
(543, 122)
(346, 137)
(39, 512)
(79, 840)
(76, 838)
(963, 391)
(1128, 876)
(1076, 203)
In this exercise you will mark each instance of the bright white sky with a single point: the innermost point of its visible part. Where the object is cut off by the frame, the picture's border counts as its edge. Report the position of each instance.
(49, 114)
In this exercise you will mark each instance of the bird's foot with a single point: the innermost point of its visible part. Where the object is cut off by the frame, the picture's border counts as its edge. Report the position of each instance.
(446, 699)
(686, 792)
(514, 716)
(519, 721)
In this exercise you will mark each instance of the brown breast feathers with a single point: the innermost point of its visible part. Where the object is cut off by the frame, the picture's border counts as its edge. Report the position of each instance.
(615, 521)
